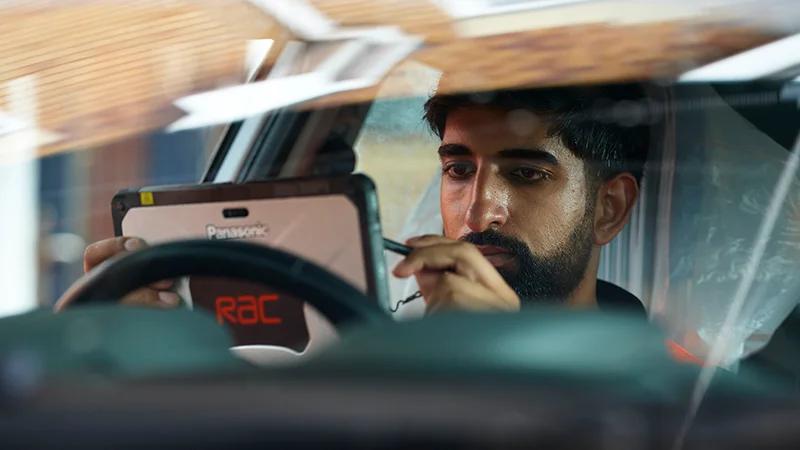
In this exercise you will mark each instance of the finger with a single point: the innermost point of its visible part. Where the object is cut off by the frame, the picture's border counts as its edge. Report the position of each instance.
(427, 240)
(462, 258)
(441, 294)
(427, 281)
(100, 251)
(162, 285)
(168, 299)
(454, 292)
(438, 257)
(430, 240)
(152, 298)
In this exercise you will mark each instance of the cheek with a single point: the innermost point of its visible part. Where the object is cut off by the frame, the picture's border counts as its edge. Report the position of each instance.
(545, 219)
(453, 204)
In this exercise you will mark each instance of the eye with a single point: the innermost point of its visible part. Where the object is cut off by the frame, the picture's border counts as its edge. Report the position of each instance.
(530, 174)
(459, 170)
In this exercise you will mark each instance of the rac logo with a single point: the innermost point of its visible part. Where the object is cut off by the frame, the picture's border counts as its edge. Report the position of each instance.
(246, 310)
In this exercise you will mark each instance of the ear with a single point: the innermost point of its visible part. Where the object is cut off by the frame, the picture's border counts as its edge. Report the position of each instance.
(615, 200)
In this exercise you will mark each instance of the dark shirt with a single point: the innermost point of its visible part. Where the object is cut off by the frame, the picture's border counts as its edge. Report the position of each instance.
(614, 298)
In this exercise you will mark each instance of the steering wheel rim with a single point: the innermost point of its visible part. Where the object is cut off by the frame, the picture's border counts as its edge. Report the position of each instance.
(337, 300)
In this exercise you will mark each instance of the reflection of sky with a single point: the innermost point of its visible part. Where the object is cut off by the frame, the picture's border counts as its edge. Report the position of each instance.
(18, 231)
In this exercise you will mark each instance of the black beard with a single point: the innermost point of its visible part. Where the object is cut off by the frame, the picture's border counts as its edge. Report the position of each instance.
(539, 279)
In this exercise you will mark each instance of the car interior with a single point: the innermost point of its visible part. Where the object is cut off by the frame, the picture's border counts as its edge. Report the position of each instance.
(712, 249)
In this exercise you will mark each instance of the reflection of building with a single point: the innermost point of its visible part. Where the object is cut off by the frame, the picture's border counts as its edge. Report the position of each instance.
(76, 188)
(102, 76)
(107, 71)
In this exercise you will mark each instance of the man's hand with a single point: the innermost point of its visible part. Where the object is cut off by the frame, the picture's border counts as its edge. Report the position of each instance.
(454, 275)
(156, 295)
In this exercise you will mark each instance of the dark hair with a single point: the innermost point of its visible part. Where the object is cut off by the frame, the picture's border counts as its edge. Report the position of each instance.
(606, 126)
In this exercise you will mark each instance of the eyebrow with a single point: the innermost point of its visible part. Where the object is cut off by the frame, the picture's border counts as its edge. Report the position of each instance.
(535, 154)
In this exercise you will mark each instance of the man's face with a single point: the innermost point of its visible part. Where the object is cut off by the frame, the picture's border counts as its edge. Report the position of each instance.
(521, 196)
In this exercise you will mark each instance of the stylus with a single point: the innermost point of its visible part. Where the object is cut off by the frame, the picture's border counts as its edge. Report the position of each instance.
(400, 249)
(394, 246)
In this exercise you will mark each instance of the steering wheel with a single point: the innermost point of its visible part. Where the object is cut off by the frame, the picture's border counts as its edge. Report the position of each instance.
(337, 300)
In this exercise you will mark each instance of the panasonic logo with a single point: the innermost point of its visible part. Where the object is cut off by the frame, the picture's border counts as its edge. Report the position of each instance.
(236, 232)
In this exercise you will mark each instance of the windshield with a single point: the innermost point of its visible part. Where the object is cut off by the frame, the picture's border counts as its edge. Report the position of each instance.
(525, 156)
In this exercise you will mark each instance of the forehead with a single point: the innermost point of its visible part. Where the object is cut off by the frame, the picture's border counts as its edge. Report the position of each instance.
(488, 130)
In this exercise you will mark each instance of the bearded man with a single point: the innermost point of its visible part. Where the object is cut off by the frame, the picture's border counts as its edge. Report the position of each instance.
(534, 183)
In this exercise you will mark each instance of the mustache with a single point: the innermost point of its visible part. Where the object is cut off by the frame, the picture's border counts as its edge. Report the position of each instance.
(497, 239)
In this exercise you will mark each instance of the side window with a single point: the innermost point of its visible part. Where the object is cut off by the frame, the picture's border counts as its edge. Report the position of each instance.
(690, 250)
(398, 151)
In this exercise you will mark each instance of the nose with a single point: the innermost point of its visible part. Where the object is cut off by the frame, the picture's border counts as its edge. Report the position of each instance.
(488, 207)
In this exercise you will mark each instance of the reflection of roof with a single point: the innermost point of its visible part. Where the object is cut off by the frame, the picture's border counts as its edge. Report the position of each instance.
(589, 42)
(106, 70)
